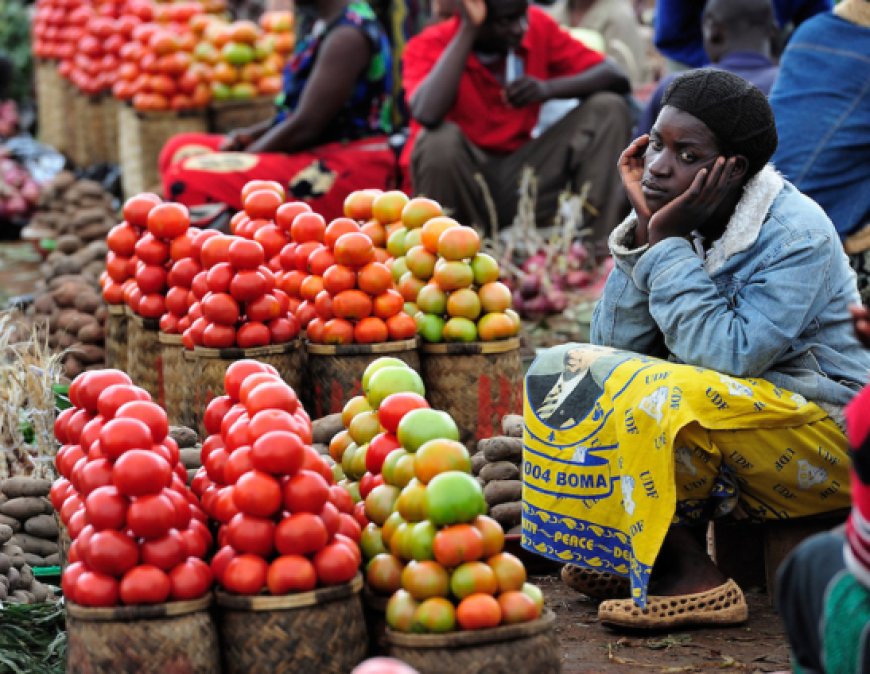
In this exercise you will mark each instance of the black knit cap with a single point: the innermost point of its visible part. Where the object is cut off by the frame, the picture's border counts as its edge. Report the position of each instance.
(736, 111)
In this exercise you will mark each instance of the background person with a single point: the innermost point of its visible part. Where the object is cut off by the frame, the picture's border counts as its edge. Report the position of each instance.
(471, 122)
(328, 137)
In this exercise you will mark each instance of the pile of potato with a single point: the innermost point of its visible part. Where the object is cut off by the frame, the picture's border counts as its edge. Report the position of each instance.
(189, 448)
(497, 463)
(28, 538)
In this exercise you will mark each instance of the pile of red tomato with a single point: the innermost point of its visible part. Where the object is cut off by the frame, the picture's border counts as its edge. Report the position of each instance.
(138, 533)
(284, 524)
(57, 27)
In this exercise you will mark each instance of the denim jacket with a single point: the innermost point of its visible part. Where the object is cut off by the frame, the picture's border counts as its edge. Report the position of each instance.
(769, 300)
(821, 101)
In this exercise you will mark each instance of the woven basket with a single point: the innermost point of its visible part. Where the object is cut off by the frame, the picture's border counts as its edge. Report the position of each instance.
(144, 354)
(334, 372)
(477, 383)
(321, 632)
(375, 610)
(63, 541)
(116, 337)
(224, 116)
(51, 107)
(174, 637)
(96, 137)
(176, 376)
(210, 366)
(526, 647)
(141, 136)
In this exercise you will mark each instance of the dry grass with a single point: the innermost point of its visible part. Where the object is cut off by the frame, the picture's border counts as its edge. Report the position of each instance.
(28, 371)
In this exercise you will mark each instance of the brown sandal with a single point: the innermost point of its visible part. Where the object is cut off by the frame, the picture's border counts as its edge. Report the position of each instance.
(595, 584)
(723, 605)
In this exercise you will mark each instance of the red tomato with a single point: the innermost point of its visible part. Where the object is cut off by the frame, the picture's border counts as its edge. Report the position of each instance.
(190, 580)
(69, 579)
(168, 221)
(237, 372)
(150, 278)
(245, 254)
(215, 463)
(151, 414)
(122, 239)
(183, 272)
(66, 459)
(152, 251)
(348, 526)
(335, 564)
(278, 452)
(245, 574)
(262, 204)
(341, 498)
(248, 285)
(214, 250)
(291, 573)
(306, 491)
(182, 508)
(379, 447)
(218, 336)
(263, 309)
(106, 508)
(359, 516)
(247, 533)
(77, 523)
(220, 561)
(145, 584)
(60, 490)
(267, 421)
(137, 208)
(92, 385)
(219, 277)
(329, 515)
(286, 213)
(151, 306)
(350, 544)
(196, 539)
(139, 472)
(237, 435)
(95, 589)
(252, 335)
(238, 463)
(117, 395)
(94, 474)
(271, 395)
(221, 308)
(300, 534)
(151, 516)
(257, 493)
(111, 552)
(72, 504)
(61, 424)
(215, 412)
(164, 553)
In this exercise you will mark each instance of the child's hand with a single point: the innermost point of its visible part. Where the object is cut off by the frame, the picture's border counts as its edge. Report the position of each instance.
(861, 322)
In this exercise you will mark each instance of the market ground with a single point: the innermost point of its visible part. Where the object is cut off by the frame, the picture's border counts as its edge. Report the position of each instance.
(589, 648)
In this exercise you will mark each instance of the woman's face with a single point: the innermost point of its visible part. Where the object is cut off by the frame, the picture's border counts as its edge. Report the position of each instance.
(680, 145)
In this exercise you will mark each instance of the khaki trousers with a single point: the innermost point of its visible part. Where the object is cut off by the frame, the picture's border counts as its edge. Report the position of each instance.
(583, 146)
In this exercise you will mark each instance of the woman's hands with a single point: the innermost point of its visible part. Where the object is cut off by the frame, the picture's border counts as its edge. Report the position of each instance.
(694, 206)
(631, 172)
(237, 140)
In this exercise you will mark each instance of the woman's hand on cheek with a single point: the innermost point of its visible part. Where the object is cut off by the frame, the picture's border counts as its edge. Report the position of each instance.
(631, 172)
(693, 208)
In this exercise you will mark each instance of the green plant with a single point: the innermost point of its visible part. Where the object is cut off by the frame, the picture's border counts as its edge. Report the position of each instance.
(15, 44)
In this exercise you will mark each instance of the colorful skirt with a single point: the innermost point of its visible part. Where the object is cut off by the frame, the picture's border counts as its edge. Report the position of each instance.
(194, 172)
(618, 447)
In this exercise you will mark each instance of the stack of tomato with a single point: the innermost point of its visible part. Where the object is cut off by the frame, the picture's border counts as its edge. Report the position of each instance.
(242, 61)
(429, 543)
(118, 282)
(378, 213)
(352, 292)
(184, 267)
(57, 27)
(283, 523)
(138, 533)
(263, 218)
(237, 303)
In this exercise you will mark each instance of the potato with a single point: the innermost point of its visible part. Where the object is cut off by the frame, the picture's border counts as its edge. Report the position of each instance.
(507, 514)
(67, 265)
(40, 591)
(183, 436)
(5, 533)
(503, 491)
(478, 461)
(72, 367)
(190, 457)
(34, 560)
(68, 243)
(25, 486)
(101, 314)
(87, 216)
(500, 470)
(11, 522)
(5, 564)
(92, 333)
(52, 560)
(21, 597)
(23, 508)
(65, 339)
(42, 526)
(4, 593)
(65, 294)
(320, 449)
(97, 230)
(502, 449)
(37, 546)
(88, 302)
(14, 575)
(44, 304)
(77, 321)
(89, 354)
(326, 428)
(512, 425)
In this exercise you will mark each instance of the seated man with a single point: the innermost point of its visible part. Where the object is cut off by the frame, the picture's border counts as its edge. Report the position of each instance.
(822, 107)
(475, 86)
(738, 37)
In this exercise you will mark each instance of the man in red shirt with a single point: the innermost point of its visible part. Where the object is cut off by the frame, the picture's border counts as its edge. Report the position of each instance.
(475, 85)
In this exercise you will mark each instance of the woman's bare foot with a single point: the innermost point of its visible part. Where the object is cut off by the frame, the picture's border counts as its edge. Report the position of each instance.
(683, 566)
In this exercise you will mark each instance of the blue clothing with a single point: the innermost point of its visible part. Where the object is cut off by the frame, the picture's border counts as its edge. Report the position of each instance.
(769, 300)
(677, 25)
(755, 68)
(821, 102)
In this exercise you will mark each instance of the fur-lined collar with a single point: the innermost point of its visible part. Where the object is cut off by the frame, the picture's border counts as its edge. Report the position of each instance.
(742, 230)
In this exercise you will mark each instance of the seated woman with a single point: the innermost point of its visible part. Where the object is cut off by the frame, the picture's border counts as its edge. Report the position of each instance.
(723, 358)
(327, 139)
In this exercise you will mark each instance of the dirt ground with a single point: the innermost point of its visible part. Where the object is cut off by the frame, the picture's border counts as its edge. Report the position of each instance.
(589, 648)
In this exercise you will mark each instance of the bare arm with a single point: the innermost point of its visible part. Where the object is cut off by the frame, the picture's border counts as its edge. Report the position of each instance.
(342, 58)
(435, 96)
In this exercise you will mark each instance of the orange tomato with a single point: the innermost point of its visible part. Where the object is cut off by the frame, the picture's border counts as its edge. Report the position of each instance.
(337, 331)
(456, 544)
(439, 456)
(225, 73)
(432, 230)
(418, 211)
(425, 579)
(387, 207)
(352, 304)
(388, 304)
(358, 204)
(518, 607)
(376, 232)
(337, 228)
(310, 287)
(401, 326)
(339, 278)
(370, 330)
(478, 611)
(495, 326)
(374, 278)
(354, 249)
